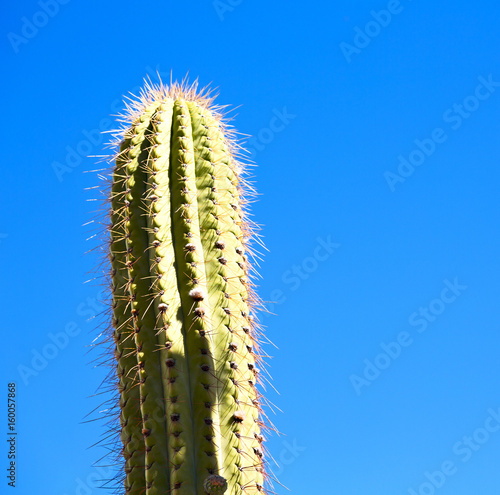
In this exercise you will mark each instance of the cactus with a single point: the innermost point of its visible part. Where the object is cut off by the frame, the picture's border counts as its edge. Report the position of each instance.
(185, 337)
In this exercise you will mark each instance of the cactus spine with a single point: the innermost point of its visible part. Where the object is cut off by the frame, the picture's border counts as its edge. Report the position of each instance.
(185, 338)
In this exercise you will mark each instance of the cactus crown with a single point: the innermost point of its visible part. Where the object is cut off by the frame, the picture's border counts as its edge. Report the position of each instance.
(183, 328)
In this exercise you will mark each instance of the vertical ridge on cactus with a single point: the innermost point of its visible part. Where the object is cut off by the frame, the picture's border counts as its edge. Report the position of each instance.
(185, 336)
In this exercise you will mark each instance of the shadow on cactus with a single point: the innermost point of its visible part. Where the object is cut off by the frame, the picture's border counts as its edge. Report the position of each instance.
(187, 410)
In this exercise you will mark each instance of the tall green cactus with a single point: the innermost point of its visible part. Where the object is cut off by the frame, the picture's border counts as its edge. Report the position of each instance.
(182, 300)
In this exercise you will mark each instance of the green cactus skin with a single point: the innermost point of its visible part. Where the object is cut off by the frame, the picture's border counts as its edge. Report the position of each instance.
(186, 346)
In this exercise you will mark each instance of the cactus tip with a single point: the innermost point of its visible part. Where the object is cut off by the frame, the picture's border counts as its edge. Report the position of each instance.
(215, 484)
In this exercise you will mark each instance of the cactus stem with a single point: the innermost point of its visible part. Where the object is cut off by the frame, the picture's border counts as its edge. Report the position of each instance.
(186, 349)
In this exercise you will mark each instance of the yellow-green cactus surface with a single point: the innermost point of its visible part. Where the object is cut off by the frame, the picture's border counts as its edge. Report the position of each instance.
(182, 301)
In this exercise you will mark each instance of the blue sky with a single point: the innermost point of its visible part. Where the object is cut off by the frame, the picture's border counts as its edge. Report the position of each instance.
(375, 130)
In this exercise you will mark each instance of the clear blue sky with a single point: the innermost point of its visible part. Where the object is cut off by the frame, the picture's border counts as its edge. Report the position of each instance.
(376, 133)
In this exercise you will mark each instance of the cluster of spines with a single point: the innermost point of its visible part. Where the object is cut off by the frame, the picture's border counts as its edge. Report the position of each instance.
(209, 349)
